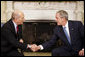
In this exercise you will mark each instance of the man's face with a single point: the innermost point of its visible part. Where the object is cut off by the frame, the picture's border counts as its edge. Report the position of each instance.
(21, 19)
(59, 19)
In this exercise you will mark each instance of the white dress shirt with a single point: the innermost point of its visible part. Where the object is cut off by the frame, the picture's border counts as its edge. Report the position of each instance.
(15, 26)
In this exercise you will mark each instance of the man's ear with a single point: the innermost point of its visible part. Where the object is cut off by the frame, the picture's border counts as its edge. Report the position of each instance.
(16, 19)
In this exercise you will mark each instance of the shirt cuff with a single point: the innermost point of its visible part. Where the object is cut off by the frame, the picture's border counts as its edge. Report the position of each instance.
(83, 49)
(28, 46)
(41, 47)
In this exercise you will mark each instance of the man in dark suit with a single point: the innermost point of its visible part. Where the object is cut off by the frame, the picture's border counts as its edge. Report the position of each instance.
(70, 32)
(11, 35)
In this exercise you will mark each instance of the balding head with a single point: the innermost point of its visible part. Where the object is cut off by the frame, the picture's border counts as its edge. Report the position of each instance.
(18, 17)
(16, 14)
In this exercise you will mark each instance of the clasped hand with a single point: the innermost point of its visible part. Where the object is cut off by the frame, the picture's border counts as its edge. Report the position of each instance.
(34, 47)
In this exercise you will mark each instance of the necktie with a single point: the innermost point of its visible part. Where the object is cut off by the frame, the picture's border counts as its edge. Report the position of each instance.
(17, 29)
(68, 37)
(17, 32)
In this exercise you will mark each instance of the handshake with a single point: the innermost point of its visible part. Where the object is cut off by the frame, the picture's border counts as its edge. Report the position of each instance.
(34, 47)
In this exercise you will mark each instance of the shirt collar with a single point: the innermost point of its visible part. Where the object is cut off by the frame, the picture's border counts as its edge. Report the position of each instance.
(15, 25)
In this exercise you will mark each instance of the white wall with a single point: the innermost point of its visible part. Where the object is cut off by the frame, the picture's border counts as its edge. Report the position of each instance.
(44, 14)
(46, 10)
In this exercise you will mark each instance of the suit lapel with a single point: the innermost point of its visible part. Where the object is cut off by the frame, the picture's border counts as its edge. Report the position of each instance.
(12, 26)
(71, 30)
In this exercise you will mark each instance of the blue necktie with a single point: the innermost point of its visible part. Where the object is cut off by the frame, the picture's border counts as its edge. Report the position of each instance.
(68, 37)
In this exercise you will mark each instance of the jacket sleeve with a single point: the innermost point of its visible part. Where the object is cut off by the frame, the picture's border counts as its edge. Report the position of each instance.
(51, 42)
(81, 30)
(10, 37)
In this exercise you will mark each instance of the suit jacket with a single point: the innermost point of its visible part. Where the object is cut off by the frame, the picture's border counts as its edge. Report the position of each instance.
(76, 30)
(9, 38)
